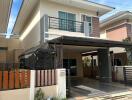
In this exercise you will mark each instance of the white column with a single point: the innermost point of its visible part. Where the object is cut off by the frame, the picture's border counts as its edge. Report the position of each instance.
(61, 83)
(32, 84)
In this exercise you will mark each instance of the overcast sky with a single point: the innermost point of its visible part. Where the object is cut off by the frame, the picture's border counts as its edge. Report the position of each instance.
(118, 4)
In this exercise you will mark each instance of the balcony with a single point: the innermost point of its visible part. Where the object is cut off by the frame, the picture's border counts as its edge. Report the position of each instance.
(56, 27)
(66, 25)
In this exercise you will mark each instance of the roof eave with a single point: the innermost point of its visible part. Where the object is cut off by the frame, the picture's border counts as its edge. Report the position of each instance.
(108, 20)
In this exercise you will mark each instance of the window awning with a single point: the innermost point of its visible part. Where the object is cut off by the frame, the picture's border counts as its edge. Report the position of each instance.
(82, 41)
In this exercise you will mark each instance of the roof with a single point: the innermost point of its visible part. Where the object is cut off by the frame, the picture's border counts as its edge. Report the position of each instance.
(5, 9)
(25, 11)
(86, 4)
(29, 5)
(81, 41)
(116, 17)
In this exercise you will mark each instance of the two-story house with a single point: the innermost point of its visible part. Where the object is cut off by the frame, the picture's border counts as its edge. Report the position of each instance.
(117, 27)
(71, 29)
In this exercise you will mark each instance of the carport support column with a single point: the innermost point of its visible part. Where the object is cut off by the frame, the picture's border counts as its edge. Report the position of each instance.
(104, 65)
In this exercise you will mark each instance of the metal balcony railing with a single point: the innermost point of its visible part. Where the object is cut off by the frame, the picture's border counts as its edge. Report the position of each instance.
(66, 25)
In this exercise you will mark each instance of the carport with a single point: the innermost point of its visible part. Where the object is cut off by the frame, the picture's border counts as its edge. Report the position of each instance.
(86, 45)
(102, 46)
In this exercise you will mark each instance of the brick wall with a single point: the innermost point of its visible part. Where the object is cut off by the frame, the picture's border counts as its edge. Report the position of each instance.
(95, 28)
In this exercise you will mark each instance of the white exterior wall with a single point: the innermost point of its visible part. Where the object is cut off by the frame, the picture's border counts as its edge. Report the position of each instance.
(32, 28)
(118, 49)
(119, 73)
(78, 57)
(58, 90)
(52, 9)
(31, 34)
(103, 35)
(23, 94)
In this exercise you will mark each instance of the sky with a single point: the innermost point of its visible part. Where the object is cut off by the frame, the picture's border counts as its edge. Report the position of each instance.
(120, 5)
(13, 15)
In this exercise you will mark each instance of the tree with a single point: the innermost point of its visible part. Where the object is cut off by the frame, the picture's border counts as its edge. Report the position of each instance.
(129, 50)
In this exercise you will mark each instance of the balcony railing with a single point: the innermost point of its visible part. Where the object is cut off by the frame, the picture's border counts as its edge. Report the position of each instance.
(67, 25)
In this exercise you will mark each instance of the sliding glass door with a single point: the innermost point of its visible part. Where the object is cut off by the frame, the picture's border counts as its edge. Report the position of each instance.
(67, 21)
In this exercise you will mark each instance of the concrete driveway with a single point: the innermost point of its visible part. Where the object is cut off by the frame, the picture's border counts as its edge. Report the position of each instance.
(83, 88)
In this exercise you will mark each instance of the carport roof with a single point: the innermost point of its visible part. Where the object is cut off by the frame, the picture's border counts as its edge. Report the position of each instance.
(83, 41)
(5, 9)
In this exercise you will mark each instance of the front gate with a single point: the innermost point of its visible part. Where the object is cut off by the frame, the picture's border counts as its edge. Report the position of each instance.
(127, 75)
(68, 82)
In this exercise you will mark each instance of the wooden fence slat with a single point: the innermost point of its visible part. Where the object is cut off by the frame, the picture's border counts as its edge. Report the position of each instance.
(49, 77)
(17, 79)
(0, 80)
(53, 80)
(46, 78)
(5, 81)
(42, 77)
(28, 78)
(11, 79)
(54, 77)
(22, 79)
(38, 81)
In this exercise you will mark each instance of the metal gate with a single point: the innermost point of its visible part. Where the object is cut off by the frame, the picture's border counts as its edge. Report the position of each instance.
(68, 82)
(127, 75)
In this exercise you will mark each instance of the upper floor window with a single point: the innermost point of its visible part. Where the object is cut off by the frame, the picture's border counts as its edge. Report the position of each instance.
(67, 21)
(89, 20)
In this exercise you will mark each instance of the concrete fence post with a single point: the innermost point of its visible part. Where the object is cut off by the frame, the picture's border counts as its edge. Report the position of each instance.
(61, 83)
(32, 85)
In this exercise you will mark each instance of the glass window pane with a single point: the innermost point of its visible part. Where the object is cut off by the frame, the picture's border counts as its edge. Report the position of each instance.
(62, 20)
(71, 22)
(88, 19)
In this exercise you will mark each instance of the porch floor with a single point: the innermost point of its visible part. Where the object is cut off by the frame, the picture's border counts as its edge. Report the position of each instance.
(84, 87)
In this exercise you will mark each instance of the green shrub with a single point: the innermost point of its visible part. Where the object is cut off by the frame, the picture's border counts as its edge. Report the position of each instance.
(39, 95)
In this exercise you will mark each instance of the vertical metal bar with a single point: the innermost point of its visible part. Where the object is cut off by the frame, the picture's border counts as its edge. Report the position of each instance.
(49, 22)
(68, 82)
(36, 74)
(44, 78)
(54, 76)
(47, 77)
(51, 76)
(125, 78)
(40, 77)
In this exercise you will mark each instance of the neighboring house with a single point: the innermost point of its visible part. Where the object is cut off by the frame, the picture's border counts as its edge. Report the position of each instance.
(117, 27)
